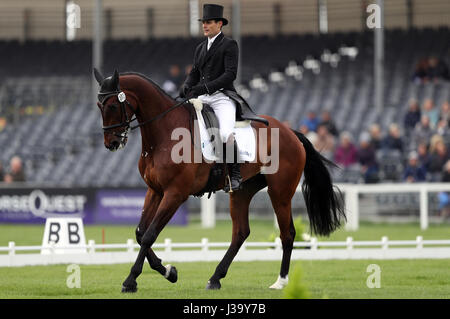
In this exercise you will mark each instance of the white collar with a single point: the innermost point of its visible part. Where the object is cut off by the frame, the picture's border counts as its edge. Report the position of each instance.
(211, 40)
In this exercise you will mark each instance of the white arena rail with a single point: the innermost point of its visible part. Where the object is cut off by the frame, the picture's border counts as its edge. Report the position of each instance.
(13, 256)
(351, 192)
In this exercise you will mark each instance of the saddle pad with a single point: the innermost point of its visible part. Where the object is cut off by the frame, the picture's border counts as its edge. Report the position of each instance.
(244, 136)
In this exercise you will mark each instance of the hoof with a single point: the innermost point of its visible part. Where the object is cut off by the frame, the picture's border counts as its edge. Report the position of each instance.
(171, 274)
(129, 289)
(213, 285)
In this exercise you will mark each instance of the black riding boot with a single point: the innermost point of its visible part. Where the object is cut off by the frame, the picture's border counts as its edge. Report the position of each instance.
(234, 171)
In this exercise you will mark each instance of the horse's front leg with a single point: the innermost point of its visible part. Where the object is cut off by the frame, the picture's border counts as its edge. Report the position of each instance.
(166, 209)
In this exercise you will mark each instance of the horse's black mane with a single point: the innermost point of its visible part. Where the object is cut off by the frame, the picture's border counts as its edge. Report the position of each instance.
(150, 81)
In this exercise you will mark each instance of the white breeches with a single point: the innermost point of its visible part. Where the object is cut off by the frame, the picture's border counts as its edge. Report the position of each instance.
(225, 110)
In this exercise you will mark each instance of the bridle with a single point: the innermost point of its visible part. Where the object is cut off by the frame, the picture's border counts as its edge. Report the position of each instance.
(121, 96)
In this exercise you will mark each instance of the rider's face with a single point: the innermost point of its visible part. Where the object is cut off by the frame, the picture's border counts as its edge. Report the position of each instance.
(211, 28)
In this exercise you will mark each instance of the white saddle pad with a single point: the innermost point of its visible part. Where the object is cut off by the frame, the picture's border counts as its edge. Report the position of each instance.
(243, 134)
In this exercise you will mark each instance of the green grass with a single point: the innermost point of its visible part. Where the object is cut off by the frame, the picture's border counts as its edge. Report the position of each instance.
(324, 279)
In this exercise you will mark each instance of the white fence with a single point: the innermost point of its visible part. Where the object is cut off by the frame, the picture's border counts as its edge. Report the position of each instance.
(351, 193)
(168, 251)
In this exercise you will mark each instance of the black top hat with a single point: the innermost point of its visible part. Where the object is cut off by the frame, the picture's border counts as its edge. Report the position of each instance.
(213, 12)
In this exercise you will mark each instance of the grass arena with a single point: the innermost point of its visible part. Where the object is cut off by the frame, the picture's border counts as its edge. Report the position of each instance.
(321, 129)
(330, 279)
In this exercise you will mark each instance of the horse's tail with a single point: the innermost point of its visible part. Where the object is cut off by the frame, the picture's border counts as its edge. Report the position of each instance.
(325, 206)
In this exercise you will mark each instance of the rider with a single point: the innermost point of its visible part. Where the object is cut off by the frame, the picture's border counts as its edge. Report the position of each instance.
(211, 80)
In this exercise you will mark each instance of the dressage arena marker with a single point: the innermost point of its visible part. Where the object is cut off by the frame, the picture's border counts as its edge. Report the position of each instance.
(62, 235)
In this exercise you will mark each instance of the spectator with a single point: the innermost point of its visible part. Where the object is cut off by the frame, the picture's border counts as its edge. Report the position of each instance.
(439, 156)
(431, 112)
(326, 120)
(287, 123)
(325, 142)
(173, 81)
(412, 117)
(437, 70)
(420, 72)
(310, 135)
(311, 121)
(2, 172)
(423, 131)
(423, 155)
(444, 119)
(444, 197)
(413, 171)
(346, 152)
(16, 171)
(375, 136)
(367, 160)
(393, 140)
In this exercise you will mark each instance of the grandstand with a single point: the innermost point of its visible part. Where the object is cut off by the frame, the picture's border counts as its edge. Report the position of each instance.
(53, 125)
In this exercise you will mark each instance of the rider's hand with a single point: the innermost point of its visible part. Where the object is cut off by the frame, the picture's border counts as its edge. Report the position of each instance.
(184, 90)
(198, 90)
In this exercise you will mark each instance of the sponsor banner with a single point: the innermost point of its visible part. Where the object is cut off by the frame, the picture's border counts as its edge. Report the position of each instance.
(35, 205)
(125, 206)
(113, 206)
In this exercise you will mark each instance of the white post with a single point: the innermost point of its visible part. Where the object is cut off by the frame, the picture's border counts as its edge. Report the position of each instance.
(208, 212)
(91, 244)
(130, 244)
(351, 208)
(313, 243)
(205, 245)
(349, 242)
(419, 240)
(423, 208)
(168, 245)
(11, 252)
(384, 242)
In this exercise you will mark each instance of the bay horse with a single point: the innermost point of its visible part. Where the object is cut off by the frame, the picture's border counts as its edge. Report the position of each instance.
(170, 184)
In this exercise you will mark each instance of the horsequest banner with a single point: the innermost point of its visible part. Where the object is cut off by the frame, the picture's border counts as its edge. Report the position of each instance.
(93, 205)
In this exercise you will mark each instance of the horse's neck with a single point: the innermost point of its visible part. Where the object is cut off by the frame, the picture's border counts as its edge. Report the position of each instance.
(159, 132)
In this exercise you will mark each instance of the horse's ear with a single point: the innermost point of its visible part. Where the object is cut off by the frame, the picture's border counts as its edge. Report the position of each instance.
(115, 79)
(98, 76)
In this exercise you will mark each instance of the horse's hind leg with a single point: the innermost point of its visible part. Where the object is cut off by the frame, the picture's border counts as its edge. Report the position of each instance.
(282, 206)
(239, 204)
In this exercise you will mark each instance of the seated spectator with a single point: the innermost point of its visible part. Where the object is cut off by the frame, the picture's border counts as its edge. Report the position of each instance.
(16, 171)
(444, 197)
(430, 111)
(326, 120)
(393, 140)
(174, 81)
(311, 121)
(439, 156)
(310, 135)
(367, 160)
(437, 70)
(423, 155)
(375, 136)
(324, 142)
(420, 72)
(422, 132)
(413, 171)
(287, 123)
(346, 153)
(444, 114)
(412, 117)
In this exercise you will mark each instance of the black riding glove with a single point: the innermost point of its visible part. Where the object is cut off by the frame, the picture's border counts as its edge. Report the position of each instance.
(184, 90)
(198, 90)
